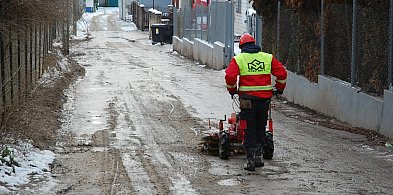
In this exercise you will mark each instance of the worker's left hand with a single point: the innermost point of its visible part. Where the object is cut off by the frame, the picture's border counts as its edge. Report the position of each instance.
(232, 93)
(279, 92)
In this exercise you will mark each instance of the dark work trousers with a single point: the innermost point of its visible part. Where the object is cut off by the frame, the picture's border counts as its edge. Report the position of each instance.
(256, 120)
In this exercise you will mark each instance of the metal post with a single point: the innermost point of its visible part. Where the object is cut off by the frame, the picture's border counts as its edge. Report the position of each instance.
(258, 30)
(390, 79)
(232, 34)
(124, 10)
(174, 21)
(353, 64)
(322, 40)
(215, 23)
(278, 29)
(226, 41)
(207, 20)
(198, 23)
(229, 28)
(195, 20)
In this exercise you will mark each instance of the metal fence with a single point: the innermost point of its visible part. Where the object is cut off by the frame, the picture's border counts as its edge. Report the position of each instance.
(212, 22)
(349, 40)
(143, 19)
(204, 22)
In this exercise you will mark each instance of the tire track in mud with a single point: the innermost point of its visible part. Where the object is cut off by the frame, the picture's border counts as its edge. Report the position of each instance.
(143, 175)
(143, 180)
(143, 148)
(88, 164)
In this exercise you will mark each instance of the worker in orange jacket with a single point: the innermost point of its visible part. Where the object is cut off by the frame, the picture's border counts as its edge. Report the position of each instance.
(255, 90)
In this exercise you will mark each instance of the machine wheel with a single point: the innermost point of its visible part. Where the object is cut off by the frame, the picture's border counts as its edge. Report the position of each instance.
(224, 146)
(268, 148)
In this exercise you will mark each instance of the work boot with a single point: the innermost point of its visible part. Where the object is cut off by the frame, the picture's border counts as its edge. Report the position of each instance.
(258, 157)
(250, 165)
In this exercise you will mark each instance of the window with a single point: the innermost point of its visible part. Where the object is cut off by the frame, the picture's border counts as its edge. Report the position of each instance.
(239, 6)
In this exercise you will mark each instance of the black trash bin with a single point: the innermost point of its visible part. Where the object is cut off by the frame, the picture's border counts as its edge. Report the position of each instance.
(161, 33)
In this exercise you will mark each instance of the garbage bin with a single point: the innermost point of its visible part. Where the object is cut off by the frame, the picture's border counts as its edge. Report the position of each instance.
(161, 33)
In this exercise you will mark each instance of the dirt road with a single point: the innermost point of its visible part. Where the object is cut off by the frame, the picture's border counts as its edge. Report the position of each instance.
(132, 125)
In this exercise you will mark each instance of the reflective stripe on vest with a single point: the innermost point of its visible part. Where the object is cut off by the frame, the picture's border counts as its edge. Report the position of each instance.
(254, 64)
(281, 81)
(231, 86)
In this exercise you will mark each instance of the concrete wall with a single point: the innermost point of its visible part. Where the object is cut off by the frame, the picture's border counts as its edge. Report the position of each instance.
(386, 127)
(187, 49)
(305, 97)
(201, 51)
(218, 56)
(177, 44)
(197, 46)
(204, 52)
(340, 100)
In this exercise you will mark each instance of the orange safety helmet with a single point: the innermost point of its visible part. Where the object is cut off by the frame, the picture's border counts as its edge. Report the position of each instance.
(246, 38)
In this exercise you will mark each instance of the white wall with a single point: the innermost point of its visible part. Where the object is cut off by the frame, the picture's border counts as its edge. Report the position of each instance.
(201, 51)
(241, 27)
(89, 3)
(340, 100)
(123, 4)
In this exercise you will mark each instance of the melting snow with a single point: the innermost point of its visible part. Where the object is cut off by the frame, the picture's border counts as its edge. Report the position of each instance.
(229, 182)
(33, 164)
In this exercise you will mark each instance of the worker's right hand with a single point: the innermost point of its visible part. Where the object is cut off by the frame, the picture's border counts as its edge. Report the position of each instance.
(277, 92)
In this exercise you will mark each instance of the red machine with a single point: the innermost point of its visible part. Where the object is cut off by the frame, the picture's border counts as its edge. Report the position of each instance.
(227, 141)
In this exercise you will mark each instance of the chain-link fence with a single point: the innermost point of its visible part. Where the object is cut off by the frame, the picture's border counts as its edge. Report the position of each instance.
(349, 40)
(372, 46)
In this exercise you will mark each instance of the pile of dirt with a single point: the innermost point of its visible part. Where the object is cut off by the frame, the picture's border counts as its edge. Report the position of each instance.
(36, 116)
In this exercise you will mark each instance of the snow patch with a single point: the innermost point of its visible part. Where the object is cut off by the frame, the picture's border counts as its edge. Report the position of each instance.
(182, 186)
(33, 164)
(229, 182)
(4, 190)
(366, 147)
(53, 73)
(154, 11)
(250, 12)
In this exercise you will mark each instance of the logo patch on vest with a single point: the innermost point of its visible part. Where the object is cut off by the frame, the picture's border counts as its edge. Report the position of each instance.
(256, 66)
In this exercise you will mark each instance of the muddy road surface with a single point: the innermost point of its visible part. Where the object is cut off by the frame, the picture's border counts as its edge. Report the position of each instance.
(132, 125)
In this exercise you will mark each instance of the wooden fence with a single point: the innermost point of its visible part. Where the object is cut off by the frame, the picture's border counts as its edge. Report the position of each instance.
(139, 16)
(22, 55)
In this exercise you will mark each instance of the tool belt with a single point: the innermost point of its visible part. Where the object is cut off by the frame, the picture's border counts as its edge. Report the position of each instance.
(245, 101)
